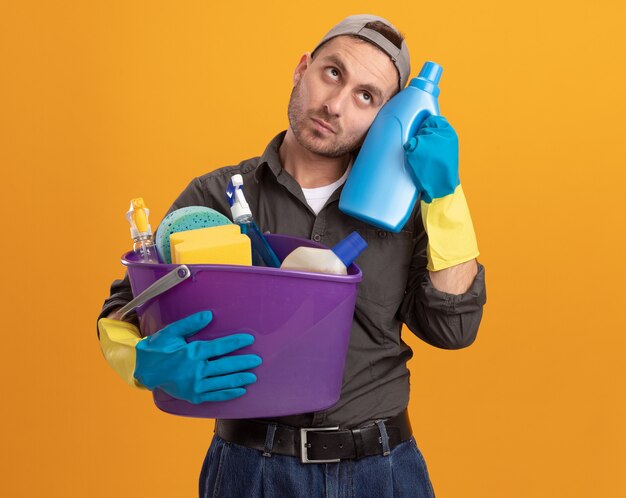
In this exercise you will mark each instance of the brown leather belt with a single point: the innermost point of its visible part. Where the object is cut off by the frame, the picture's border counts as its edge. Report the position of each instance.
(317, 444)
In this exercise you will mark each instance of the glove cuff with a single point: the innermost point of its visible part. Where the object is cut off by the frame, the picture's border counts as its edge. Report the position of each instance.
(451, 237)
(118, 341)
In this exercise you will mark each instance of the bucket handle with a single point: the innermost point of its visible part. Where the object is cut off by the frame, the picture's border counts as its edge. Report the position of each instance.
(169, 280)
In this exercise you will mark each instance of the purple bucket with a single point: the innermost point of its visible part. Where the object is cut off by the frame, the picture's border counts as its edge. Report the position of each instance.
(301, 323)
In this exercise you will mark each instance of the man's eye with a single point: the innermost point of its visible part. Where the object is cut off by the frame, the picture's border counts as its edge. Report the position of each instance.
(332, 72)
(366, 97)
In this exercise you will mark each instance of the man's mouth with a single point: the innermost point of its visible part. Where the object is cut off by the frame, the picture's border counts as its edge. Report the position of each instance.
(323, 125)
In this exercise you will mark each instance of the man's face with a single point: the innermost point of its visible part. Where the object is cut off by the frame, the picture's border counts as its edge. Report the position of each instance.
(337, 95)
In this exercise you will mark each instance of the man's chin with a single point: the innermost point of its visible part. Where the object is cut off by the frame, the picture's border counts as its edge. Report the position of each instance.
(322, 146)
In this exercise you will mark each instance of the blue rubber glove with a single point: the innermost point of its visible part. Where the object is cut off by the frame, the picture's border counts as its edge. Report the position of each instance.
(186, 370)
(433, 157)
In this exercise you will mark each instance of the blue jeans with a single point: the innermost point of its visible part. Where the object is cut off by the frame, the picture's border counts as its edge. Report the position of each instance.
(234, 471)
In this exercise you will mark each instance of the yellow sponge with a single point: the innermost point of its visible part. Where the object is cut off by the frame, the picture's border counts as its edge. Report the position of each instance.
(219, 245)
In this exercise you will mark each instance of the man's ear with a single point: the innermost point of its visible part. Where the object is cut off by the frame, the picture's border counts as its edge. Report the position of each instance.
(305, 62)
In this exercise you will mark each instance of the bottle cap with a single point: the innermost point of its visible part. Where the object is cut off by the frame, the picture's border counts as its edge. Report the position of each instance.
(428, 78)
(349, 248)
(431, 71)
(237, 201)
(137, 216)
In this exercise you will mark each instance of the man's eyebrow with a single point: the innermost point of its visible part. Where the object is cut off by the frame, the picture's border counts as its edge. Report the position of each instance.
(335, 60)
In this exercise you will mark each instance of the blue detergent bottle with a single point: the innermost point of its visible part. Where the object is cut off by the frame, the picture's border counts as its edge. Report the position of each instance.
(380, 189)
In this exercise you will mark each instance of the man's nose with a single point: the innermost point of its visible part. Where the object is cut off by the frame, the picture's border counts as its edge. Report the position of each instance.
(336, 101)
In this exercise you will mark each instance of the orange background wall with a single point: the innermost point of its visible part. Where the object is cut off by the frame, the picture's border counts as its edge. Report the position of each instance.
(104, 101)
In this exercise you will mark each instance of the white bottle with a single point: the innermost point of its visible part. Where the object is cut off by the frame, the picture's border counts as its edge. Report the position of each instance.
(333, 261)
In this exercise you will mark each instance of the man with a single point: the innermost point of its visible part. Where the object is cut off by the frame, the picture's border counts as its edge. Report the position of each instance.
(294, 188)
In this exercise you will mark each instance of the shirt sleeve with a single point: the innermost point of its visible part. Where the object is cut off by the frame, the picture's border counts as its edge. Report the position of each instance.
(120, 293)
(447, 321)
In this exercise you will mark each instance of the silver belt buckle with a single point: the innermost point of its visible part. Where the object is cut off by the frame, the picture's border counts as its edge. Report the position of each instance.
(304, 445)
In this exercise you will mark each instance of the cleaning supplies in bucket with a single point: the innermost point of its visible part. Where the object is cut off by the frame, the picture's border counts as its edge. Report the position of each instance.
(301, 321)
(262, 252)
(334, 261)
(141, 232)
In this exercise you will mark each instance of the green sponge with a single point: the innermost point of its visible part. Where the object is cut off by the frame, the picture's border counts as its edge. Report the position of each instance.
(181, 220)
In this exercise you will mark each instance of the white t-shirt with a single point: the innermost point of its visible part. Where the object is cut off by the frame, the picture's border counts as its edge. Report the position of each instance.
(317, 197)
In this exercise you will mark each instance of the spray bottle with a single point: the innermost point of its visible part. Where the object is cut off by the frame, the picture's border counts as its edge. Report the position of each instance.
(141, 231)
(380, 189)
(262, 252)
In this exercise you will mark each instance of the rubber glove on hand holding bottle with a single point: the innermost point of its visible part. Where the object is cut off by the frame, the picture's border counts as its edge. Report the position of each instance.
(184, 370)
(433, 157)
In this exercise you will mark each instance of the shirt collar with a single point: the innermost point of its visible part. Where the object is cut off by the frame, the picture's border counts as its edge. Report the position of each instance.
(270, 157)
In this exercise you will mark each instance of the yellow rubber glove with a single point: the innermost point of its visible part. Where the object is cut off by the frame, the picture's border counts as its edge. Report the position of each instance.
(118, 341)
(451, 237)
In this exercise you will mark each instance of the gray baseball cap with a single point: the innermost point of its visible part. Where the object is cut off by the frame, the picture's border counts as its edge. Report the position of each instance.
(355, 25)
